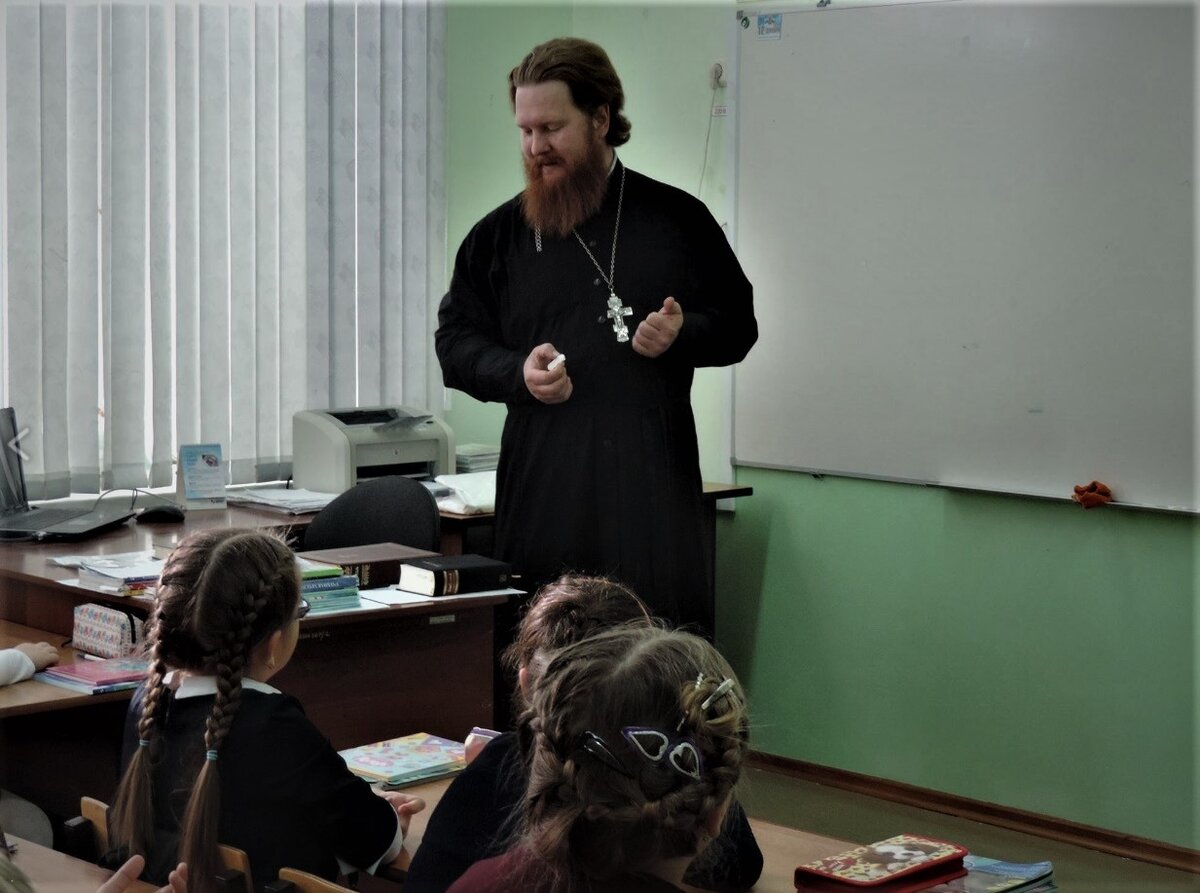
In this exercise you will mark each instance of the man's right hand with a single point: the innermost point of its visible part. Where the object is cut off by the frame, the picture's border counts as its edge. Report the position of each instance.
(547, 385)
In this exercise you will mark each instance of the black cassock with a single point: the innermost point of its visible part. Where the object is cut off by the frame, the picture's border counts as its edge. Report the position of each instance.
(609, 481)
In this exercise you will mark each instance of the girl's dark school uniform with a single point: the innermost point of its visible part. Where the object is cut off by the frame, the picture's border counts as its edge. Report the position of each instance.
(287, 798)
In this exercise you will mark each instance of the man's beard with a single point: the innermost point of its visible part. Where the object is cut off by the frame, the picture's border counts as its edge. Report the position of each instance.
(557, 208)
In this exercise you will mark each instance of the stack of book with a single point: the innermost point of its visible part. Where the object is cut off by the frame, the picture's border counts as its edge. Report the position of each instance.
(126, 573)
(375, 565)
(326, 588)
(476, 457)
(407, 760)
(93, 677)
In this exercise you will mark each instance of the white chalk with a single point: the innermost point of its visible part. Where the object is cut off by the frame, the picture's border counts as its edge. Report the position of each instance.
(556, 362)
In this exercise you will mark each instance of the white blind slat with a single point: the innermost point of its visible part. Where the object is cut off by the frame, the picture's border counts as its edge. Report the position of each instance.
(219, 213)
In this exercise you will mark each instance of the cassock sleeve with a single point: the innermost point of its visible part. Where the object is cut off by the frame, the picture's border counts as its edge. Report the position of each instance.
(719, 327)
(469, 339)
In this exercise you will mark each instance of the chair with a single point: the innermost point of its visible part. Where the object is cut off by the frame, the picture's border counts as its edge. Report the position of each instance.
(86, 837)
(292, 880)
(383, 510)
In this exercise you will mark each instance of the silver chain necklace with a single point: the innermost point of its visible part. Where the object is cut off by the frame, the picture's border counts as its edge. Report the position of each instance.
(615, 311)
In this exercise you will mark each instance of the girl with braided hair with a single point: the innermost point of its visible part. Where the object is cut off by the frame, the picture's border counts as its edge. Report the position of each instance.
(638, 739)
(479, 812)
(215, 755)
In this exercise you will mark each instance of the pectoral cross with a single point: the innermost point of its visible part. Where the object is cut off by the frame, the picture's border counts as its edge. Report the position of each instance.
(615, 312)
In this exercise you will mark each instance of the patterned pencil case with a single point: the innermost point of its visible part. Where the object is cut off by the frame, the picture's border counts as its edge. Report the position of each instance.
(106, 631)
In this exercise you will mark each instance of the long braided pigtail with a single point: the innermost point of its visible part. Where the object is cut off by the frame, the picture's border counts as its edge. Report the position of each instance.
(131, 824)
(199, 843)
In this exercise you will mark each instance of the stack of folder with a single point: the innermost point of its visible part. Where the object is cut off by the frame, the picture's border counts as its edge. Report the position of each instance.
(476, 457)
(127, 573)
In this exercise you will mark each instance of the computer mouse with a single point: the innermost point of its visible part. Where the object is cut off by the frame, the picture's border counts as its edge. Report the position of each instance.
(161, 514)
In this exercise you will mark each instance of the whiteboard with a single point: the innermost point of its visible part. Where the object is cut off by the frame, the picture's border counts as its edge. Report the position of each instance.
(970, 231)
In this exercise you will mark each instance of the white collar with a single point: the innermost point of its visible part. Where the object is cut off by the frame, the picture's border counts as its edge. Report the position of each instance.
(612, 167)
(198, 686)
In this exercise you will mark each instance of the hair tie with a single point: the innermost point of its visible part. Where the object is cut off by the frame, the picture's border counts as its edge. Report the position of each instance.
(210, 755)
(143, 742)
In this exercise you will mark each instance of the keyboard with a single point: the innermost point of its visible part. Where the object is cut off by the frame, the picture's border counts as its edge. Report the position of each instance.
(39, 518)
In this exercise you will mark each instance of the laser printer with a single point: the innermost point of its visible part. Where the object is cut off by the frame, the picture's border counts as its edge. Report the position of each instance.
(334, 449)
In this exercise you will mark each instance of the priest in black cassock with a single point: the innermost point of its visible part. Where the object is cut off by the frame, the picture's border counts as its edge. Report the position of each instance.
(584, 304)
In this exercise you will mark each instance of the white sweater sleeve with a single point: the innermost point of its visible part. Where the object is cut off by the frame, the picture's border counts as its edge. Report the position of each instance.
(14, 666)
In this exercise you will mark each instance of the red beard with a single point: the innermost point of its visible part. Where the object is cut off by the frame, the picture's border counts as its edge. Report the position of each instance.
(558, 207)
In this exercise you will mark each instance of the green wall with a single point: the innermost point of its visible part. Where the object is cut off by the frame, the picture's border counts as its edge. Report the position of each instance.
(663, 54)
(1020, 652)
(1014, 651)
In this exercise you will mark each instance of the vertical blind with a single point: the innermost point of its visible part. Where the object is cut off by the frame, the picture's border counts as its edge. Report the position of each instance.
(216, 213)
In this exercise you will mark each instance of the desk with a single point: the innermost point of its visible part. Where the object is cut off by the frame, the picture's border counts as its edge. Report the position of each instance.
(362, 676)
(73, 739)
(782, 848)
(455, 528)
(33, 696)
(55, 872)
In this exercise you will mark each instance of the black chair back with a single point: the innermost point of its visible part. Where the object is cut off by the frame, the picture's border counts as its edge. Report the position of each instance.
(383, 510)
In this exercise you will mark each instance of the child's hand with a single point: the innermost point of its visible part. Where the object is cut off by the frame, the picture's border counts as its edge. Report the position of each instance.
(127, 875)
(43, 654)
(406, 805)
(477, 741)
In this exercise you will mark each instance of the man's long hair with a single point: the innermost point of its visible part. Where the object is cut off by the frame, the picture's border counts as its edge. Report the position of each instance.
(588, 73)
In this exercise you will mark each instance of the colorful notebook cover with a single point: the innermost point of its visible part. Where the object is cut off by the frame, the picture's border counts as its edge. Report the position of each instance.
(901, 864)
(994, 876)
(96, 676)
(413, 758)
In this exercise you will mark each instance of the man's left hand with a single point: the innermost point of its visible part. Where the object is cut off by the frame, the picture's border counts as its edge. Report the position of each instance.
(659, 330)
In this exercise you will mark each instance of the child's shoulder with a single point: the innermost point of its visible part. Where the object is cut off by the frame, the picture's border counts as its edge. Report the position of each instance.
(272, 709)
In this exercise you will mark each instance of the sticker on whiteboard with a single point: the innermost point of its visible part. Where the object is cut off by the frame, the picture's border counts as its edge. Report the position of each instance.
(770, 27)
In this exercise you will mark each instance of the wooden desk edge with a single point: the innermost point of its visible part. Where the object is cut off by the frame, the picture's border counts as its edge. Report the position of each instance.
(713, 492)
(34, 696)
(51, 870)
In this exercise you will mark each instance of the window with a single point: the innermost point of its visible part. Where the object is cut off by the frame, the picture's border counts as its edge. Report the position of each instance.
(215, 214)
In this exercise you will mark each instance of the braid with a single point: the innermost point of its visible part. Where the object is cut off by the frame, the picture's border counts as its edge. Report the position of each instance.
(149, 720)
(202, 818)
(132, 822)
(221, 593)
(601, 802)
(231, 664)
